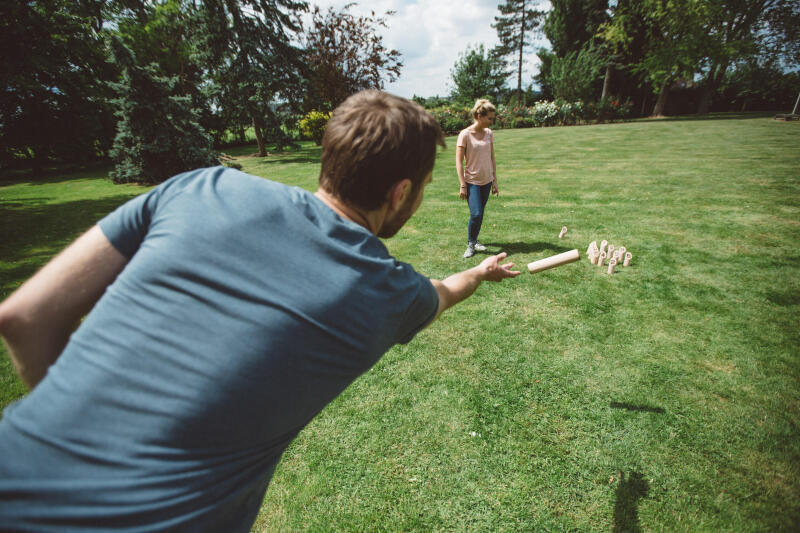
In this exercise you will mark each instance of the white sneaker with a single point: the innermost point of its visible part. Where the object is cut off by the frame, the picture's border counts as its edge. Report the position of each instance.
(470, 251)
(479, 247)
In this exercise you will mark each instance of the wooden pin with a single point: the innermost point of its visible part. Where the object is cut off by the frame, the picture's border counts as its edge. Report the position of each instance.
(628, 257)
(611, 265)
(563, 232)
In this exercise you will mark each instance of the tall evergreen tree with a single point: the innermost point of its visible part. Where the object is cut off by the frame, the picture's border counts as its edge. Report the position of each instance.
(53, 97)
(157, 135)
(246, 47)
(515, 26)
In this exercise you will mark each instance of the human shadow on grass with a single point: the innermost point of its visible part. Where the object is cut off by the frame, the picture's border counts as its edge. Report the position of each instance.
(630, 489)
(640, 408)
(512, 248)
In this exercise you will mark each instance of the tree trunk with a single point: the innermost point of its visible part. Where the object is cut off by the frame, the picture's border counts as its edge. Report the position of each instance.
(519, 63)
(258, 129)
(663, 96)
(607, 82)
(715, 75)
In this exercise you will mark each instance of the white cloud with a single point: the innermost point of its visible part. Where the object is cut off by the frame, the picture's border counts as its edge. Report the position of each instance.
(430, 35)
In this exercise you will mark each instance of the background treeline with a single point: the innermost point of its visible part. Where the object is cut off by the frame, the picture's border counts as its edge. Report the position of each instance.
(157, 85)
(661, 57)
(163, 85)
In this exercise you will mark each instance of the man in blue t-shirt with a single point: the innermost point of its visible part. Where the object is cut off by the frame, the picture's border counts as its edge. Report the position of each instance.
(224, 312)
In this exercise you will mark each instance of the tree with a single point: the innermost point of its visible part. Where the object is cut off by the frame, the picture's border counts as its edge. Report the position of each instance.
(476, 75)
(515, 26)
(734, 30)
(574, 76)
(345, 54)
(245, 45)
(671, 40)
(53, 97)
(572, 26)
(158, 135)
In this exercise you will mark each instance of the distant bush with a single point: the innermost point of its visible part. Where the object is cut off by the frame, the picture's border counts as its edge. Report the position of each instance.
(453, 119)
(312, 125)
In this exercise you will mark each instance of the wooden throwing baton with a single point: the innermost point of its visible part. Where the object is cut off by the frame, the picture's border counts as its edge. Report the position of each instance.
(554, 261)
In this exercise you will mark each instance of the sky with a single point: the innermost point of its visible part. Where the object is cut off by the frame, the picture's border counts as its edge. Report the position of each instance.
(430, 35)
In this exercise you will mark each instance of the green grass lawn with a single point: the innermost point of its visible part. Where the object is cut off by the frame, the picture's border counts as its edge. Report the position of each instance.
(663, 398)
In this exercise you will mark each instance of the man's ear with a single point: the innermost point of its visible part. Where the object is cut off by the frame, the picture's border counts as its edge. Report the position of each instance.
(398, 193)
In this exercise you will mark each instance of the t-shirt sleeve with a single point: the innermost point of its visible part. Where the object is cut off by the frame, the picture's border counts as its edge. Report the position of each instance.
(422, 309)
(127, 226)
(462, 139)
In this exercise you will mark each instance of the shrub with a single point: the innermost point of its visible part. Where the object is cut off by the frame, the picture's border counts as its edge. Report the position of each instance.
(452, 119)
(312, 125)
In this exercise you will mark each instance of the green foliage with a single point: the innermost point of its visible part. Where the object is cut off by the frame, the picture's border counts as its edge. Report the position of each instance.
(158, 135)
(476, 75)
(575, 76)
(453, 118)
(571, 25)
(53, 99)
(312, 125)
(345, 54)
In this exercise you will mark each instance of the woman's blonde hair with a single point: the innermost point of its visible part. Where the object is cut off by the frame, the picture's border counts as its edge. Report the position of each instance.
(482, 107)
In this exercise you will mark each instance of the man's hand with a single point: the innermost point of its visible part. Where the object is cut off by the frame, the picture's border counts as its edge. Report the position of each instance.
(494, 271)
(495, 188)
(458, 287)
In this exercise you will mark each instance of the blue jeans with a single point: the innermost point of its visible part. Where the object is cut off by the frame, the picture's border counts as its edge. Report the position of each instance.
(477, 195)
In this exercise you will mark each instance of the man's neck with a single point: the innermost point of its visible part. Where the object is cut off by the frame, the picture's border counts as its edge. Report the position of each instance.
(371, 220)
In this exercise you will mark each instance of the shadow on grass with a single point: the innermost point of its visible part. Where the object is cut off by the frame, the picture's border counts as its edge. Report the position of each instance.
(730, 115)
(523, 247)
(33, 231)
(630, 490)
(640, 408)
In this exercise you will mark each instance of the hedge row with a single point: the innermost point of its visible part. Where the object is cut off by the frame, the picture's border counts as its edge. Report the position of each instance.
(453, 119)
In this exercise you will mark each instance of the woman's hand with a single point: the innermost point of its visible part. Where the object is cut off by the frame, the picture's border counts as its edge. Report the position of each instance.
(462, 192)
(495, 188)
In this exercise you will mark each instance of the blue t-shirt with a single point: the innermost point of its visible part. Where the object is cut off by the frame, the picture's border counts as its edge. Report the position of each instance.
(245, 308)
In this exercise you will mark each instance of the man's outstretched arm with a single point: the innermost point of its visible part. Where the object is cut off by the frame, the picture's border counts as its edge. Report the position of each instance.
(38, 318)
(458, 287)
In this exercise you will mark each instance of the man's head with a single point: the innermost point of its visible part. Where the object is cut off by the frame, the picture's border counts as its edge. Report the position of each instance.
(373, 141)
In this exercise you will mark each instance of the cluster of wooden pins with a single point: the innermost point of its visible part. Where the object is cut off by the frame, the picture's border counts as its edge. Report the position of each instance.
(615, 255)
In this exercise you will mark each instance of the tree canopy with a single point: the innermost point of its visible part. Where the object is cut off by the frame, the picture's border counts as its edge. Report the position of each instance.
(477, 75)
(345, 54)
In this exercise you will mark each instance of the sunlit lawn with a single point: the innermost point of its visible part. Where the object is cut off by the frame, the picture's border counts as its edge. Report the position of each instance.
(664, 397)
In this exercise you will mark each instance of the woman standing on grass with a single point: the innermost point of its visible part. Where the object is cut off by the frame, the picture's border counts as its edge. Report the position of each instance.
(476, 169)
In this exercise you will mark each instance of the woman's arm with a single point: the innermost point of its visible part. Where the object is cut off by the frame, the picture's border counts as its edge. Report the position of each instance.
(462, 191)
(495, 187)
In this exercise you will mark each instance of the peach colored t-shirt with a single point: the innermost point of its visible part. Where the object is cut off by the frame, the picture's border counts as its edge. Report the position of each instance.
(478, 168)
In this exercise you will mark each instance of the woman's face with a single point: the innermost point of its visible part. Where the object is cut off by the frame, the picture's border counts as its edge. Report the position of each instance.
(486, 120)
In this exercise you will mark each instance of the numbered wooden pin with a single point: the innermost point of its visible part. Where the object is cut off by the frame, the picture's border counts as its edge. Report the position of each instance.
(628, 257)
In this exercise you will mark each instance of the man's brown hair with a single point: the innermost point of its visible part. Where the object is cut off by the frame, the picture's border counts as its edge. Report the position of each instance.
(373, 141)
